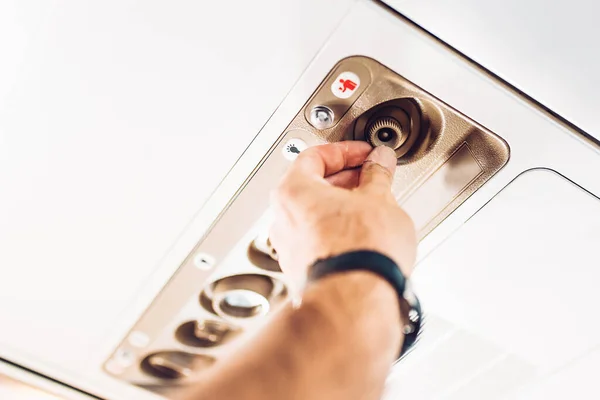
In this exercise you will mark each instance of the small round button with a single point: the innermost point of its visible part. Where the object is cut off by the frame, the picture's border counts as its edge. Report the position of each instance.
(293, 148)
(204, 261)
(124, 357)
(321, 117)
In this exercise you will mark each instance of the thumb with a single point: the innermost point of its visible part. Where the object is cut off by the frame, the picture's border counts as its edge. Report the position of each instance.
(378, 170)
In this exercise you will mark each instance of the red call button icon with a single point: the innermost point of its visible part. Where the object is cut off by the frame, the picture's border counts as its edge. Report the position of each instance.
(345, 85)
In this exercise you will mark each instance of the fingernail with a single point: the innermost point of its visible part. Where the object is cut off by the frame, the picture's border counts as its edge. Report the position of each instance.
(384, 156)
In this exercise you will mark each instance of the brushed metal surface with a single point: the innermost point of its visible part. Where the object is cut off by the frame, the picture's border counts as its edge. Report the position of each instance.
(442, 131)
(445, 185)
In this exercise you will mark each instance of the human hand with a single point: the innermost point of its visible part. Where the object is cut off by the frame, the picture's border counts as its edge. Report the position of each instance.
(337, 198)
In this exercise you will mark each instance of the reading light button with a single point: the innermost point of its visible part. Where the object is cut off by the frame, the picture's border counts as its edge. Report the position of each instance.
(293, 148)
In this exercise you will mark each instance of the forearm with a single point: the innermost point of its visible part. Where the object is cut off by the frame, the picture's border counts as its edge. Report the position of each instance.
(338, 345)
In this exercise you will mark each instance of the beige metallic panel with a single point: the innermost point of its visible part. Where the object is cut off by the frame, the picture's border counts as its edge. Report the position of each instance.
(446, 184)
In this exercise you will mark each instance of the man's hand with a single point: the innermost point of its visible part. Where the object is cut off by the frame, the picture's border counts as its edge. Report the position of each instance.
(337, 198)
(341, 341)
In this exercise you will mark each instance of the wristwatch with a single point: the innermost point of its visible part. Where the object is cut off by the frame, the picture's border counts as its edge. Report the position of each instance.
(382, 265)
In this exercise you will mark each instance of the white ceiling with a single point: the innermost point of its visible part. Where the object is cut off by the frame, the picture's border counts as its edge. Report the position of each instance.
(547, 49)
(117, 121)
(518, 280)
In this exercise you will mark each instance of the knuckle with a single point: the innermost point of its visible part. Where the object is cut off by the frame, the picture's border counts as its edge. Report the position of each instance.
(285, 187)
(285, 191)
(311, 152)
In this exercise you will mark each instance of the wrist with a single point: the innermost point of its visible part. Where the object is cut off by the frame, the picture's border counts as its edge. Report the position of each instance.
(355, 303)
(385, 268)
(344, 290)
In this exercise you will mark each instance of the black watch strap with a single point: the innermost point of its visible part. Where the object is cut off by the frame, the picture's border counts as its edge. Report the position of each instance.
(382, 265)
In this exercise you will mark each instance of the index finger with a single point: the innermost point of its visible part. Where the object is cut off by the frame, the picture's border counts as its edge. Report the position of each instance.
(318, 162)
